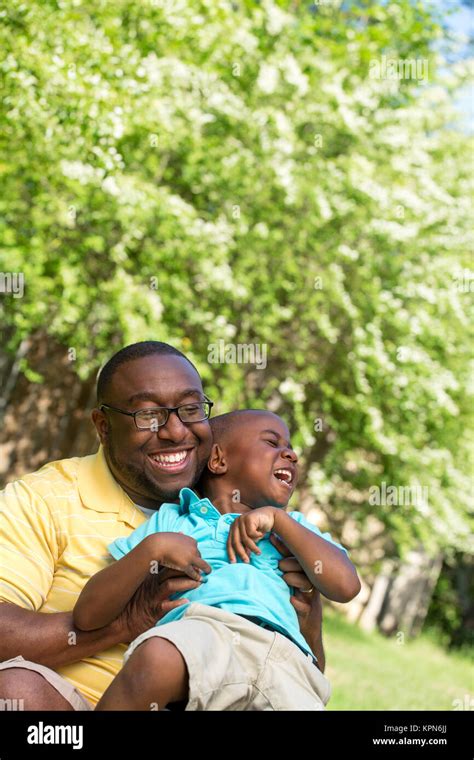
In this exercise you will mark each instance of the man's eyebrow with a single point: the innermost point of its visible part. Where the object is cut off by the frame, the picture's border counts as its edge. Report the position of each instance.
(191, 392)
(151, 396)
(277, 435)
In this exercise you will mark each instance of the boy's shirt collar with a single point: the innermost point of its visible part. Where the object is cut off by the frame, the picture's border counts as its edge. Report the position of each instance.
(190, 503)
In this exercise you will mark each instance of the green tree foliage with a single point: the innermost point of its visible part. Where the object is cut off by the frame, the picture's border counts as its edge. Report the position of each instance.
(201, 170)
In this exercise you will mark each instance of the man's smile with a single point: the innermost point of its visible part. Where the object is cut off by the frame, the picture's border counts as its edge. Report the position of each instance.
(171, 461)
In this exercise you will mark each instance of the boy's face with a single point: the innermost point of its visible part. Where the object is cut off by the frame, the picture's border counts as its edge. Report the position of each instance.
(261, 463)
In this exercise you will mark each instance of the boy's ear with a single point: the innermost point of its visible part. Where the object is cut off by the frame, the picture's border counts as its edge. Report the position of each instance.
(217, 463)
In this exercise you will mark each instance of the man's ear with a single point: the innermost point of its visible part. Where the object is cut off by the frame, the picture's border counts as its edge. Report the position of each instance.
(217, 463)
(101, 424)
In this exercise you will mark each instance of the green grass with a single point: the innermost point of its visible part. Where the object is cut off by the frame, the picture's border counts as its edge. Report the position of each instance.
(371, 672)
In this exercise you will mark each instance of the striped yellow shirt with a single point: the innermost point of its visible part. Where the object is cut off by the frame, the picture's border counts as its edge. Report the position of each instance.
(55, 525)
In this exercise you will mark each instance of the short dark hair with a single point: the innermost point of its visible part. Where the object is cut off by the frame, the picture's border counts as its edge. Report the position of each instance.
(224, 425)
(128, 354)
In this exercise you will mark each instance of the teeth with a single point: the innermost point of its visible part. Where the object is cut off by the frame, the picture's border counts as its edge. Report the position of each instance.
(286, 473)
(169, 458)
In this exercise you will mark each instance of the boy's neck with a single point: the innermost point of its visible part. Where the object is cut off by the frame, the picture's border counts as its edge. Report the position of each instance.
(224, 496)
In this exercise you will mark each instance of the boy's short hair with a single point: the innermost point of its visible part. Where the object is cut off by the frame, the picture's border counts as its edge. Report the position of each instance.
(224, 425)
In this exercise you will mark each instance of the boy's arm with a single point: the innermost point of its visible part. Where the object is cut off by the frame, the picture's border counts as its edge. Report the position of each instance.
(97, 606)
(327, 567)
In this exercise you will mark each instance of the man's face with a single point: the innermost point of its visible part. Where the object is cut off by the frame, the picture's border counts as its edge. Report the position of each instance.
(262, 463)
(136, 457)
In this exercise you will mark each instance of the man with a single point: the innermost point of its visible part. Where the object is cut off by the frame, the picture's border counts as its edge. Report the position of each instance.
(57, 523)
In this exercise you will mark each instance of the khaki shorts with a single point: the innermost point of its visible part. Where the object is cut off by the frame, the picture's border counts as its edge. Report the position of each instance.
(66, 689)
(234, 664)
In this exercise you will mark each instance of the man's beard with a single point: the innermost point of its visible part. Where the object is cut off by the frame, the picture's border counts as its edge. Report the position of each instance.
(139, 481)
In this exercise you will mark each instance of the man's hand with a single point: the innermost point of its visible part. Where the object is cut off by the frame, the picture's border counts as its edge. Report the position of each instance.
(308, 606)
(293, 573)
(310, 618)
(151, 602)
(247, 530)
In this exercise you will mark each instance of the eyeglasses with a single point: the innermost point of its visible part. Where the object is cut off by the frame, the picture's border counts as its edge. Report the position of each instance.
(152, 419)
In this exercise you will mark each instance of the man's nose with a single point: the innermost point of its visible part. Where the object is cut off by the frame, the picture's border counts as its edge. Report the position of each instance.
(174, 429)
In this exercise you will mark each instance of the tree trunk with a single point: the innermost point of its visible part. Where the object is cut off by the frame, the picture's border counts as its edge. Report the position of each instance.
(380, 589)
(47, 420)
(409, 594)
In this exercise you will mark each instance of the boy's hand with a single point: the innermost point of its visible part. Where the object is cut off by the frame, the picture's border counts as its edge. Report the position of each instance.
(179, 552)
(246, 530)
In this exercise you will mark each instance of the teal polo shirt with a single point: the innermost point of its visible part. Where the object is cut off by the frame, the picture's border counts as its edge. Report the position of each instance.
(255, 589)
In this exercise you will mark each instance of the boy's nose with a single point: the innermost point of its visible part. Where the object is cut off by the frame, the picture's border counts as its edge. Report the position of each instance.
(291, 455)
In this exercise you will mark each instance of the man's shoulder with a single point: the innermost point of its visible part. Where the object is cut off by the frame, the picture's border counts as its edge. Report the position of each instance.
(53, 478)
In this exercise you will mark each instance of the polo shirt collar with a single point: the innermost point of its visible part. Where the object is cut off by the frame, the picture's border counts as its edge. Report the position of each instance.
(190, 502)
(99, 490)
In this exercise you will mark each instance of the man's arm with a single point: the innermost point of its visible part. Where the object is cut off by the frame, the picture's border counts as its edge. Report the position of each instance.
(31, 534)
(51, 638)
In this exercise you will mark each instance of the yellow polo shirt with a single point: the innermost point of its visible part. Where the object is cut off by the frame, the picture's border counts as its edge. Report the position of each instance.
(55, 526)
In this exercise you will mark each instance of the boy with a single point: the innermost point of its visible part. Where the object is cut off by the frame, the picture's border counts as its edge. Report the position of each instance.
(236, 644)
